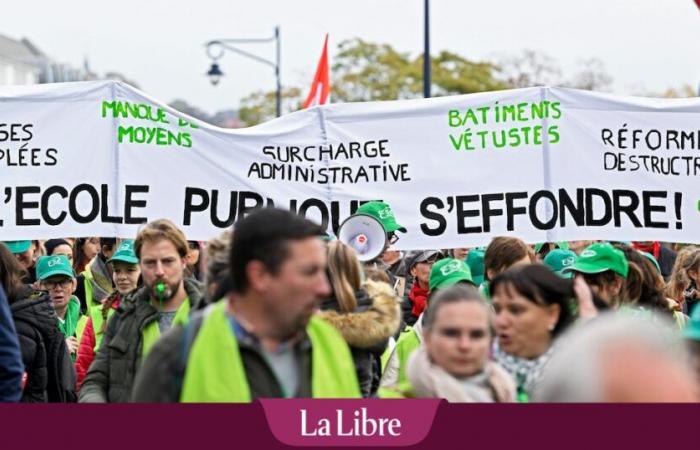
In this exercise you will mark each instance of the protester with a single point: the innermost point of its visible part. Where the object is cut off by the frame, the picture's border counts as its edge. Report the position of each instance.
(55, 276)
(48, 370)
(417, 298)
(678, 281)
(11, 367)
(24, 253)
(262, 340)
(459, 253)
(501, 254)
(126, 274)
(558, 260)
(366, 314)
(605, 270)
(165, 298)
(663, 255)
(691, 267)
(95, 282)
(619, 358)
(193, 261)
(453, 362)
(532, 308)
(384, 214)
(84, 250)
(216, 278)
(59, 247)
(395, 262)
(443, 274)
(645, 287)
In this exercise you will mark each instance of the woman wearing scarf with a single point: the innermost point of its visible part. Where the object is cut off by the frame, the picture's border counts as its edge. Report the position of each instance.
(533, 307)
(55, 276)
(453, 362)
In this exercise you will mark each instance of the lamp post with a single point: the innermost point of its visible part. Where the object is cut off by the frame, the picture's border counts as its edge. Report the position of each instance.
(217, 47)
(426, 53)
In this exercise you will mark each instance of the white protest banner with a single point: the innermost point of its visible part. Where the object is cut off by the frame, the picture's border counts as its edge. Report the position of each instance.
(543, 164)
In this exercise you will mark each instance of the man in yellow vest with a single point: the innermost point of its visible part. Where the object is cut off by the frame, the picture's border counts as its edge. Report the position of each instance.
(262, 339)
(165, 298)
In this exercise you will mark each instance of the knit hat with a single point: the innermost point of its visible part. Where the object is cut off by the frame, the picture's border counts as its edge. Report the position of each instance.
(448, 272)
(475, 261)
(558, 260)
(18, 246)
(600, 257)
(383, 213)
(125, 253)
(48, 266)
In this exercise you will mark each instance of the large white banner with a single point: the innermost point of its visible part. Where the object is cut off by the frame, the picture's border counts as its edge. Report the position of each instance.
(543, 164)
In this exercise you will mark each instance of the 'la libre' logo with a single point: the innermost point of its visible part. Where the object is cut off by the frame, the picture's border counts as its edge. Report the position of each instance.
(588, 253)
(360, 425)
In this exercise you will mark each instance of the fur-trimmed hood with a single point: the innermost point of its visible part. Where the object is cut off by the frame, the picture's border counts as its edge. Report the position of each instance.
(371, 325)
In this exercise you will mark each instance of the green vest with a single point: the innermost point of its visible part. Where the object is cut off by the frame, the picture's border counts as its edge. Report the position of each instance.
(407, 344)
(87, 282)
(215, 372)
(80, 328)
(151, 332)
(98, 323)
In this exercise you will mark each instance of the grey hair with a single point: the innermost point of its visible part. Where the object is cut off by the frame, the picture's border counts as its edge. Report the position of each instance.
(573, 375)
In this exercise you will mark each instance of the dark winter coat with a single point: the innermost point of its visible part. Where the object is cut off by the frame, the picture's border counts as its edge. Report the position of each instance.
(367, 329)
(111, 375)
(50, 376)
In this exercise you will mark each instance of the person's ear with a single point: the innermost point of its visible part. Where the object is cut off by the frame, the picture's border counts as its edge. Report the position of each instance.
(554, 311)
(491, 274)
(617, 286)
(74, 285)
(257, 275)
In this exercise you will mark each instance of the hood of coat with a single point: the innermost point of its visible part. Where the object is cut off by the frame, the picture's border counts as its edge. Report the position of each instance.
(35, 307)
(376, 318)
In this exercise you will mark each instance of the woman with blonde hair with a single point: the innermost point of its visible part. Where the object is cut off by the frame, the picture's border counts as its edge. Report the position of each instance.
(679, 282)
(366, 313)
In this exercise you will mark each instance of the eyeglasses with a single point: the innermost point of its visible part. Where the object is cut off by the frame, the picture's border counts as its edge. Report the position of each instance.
(393, 238)
(193, 245)
(53, 284)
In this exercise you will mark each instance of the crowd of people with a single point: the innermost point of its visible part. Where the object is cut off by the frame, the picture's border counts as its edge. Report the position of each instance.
(275, 307)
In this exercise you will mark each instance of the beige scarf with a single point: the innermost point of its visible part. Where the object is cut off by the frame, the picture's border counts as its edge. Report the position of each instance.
(494, 384)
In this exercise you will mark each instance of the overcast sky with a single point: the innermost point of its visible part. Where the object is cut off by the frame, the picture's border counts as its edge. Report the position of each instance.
(646, 45)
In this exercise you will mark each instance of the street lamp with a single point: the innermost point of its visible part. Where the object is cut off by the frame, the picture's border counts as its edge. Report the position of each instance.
(217, 48)
(426, 51)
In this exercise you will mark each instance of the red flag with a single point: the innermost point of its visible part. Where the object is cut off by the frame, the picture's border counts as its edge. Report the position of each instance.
(697, 2)
(321, 86)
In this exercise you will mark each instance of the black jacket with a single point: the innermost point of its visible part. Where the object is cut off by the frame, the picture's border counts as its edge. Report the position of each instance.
(49, 369)
(367, 329)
